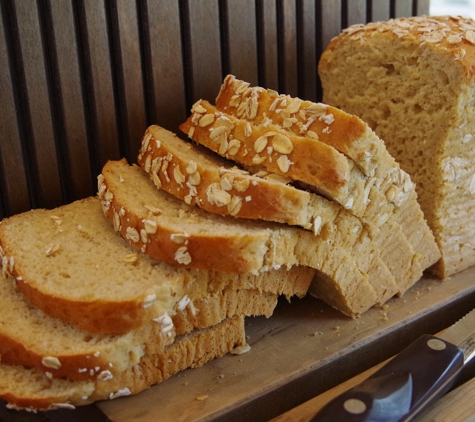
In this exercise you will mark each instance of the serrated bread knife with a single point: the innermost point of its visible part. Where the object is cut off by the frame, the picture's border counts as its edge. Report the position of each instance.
(410, 382)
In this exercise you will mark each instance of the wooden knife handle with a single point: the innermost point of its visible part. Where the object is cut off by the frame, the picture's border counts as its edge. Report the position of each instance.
(415, 378)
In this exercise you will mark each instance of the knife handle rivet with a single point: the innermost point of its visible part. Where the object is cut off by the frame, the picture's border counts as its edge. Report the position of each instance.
(436, 344)
(354, 406)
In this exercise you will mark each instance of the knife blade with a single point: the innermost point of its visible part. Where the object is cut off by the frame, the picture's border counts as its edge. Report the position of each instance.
(410, 382)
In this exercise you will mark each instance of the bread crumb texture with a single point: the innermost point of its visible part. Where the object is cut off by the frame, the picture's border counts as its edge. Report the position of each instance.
(412, 81)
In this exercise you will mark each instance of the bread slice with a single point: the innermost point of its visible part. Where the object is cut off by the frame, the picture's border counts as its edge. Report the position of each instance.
(385, 186)
(412, 81)
(30, 389)
(202, 178)
(304, 118)
(258, 197)
(71, 264)
(125, 187)
(30, 338)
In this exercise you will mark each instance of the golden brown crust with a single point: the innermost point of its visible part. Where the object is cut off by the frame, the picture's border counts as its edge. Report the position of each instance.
(448, 35)
(329, 125)
(29, 389)
(14, 353)
(193, 315)
(268, 147)
(214, 185)
(92, 316)
(237, 251)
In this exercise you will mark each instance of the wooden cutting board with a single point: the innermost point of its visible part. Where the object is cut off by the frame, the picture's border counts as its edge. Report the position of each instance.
(303, 350)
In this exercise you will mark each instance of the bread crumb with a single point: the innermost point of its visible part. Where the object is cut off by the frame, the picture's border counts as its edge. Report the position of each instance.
(202, 397)
(240, 349)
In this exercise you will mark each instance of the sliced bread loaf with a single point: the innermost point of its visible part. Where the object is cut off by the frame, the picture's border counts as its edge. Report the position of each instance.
(30, 389)
(388, 194)
(355, 196)
(412, 80)
(30, 338)
(201, 176)
(71, 264)
(124, 187)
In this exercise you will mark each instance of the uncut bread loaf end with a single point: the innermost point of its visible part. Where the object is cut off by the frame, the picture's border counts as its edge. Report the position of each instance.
(412, 80)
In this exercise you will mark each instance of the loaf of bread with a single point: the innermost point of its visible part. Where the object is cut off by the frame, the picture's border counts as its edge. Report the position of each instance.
(259, 197)
(192, 232)
(412, 81)
(29, 389)
(71, 264)
(377, 190)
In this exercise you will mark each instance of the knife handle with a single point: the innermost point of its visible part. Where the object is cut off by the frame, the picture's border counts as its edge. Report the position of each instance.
(416, 377)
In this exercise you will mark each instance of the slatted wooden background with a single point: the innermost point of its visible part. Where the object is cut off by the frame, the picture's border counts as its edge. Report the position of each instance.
(81, 79)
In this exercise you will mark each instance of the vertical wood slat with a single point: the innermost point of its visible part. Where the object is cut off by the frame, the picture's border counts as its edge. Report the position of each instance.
(129, 63)
(353, 12)
(13, 182)
(378, 10)
(205, 52)
(70, 102)
(401, 8)
(266, 19)
(167, 64)
(307, 49)
(287, 46)
(240, 45)
(38, 119)
(98, 86)
(421, 7)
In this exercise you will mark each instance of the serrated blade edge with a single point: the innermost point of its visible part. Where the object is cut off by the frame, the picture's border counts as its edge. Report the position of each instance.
(462, 334)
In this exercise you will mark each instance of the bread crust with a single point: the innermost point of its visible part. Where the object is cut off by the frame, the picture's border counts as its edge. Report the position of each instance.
(342, 131)
(382, 195)
(458, 42)
(29, 389)
(269, 147)
(96, 359)
(216, 185)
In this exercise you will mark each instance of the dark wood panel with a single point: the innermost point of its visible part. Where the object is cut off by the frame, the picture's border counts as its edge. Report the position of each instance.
(129, 69)
(98, 83)
(354, 12)
(287, 46)
(239, 45)
(307, 47)
(40, 120)
(266, 13)
(13, 183)
(379, 10)
(401, 8)
(330, 12)
(166, 64)
(421, 7)
(204, 48)
(81, 80)
(70, 102)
